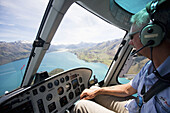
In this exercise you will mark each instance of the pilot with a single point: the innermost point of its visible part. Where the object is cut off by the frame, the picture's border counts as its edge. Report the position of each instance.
(118, 98)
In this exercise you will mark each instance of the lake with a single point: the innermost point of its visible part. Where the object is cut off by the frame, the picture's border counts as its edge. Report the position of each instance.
(11, 74)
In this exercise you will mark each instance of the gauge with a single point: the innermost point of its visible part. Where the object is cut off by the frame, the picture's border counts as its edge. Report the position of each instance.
(62, 80)
(42, 89)
(75, 83)
(56, 82)
(50, 85)
(67, 78)
(82, 87)
(80, 79)
(68, 86)
(77, 91)
(49, 97)
(60, 90)
(63, 101)
(71, 95)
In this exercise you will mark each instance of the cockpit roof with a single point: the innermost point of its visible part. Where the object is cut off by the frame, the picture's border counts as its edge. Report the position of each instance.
(132, 6)
(116, 12)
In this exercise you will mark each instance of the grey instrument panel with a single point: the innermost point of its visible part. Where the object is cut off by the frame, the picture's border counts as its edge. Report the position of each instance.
(55, 94)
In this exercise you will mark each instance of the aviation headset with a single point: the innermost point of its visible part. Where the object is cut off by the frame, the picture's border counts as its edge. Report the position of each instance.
(154, 31)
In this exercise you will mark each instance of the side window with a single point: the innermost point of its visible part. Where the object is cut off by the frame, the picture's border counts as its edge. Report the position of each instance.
(131, 68)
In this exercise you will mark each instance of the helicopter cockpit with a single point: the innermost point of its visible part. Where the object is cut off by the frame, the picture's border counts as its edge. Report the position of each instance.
(59, 65)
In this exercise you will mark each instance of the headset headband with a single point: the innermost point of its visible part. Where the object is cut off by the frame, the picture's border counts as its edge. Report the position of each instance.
(153, 6)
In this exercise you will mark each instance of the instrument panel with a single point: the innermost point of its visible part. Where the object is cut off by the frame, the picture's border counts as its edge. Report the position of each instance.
(55, 94)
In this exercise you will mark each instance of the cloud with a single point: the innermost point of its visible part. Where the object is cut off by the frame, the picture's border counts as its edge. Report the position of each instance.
(6, 24)
(20, 19)
(23, 12)
(81, 24)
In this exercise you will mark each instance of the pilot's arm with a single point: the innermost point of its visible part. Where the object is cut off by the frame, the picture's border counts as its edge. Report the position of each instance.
(117, 90)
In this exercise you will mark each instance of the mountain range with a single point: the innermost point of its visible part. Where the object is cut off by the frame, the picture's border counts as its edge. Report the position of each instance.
(11, 51)
(91, 52)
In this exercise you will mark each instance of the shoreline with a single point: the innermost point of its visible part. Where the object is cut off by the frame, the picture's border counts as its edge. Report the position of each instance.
(9, 61)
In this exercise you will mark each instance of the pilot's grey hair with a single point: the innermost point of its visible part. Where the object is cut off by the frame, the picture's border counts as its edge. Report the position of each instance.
(162, 16)
(141, 18)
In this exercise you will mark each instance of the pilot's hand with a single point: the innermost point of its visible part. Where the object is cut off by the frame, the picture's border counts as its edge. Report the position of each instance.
(89, 93)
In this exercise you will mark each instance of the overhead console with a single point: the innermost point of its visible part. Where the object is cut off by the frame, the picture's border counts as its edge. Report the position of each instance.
(53, 95)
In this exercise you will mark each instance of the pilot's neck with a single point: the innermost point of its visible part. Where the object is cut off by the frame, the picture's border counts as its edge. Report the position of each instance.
(161, 53)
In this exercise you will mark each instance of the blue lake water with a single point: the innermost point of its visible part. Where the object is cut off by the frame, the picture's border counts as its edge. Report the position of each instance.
(11, 74)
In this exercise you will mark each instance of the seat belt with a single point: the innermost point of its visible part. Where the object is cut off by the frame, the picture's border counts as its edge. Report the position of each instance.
(159, 86)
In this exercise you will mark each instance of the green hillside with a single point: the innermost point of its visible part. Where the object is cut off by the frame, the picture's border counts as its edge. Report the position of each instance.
(102, 52)
(137, 65)
(55, 71)
(13, 51)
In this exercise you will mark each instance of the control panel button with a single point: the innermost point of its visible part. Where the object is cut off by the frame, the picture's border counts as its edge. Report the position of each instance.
(41, 106)
(51, 107)
(35, 92)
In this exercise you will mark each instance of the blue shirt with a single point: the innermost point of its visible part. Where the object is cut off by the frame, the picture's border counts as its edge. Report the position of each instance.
(159, 103)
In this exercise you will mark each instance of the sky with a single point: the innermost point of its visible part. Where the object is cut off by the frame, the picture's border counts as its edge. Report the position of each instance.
(20, 20)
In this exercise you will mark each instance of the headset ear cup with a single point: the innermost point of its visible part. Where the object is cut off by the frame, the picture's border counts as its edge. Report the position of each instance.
(152, 32)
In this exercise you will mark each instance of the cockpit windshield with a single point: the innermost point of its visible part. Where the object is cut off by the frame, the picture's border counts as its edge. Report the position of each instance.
(19, 23)
(82, 40)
